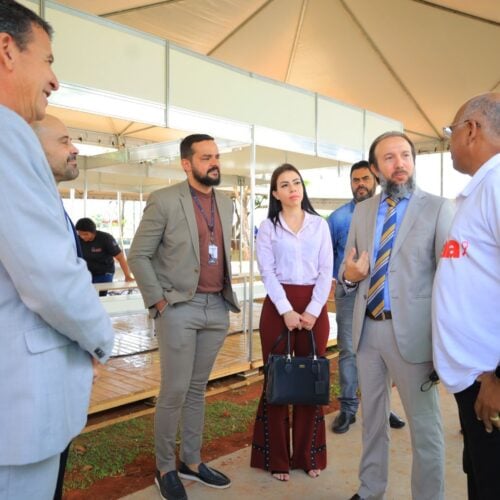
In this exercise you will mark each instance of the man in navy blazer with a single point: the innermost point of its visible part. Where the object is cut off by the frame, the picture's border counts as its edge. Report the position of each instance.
(51, 322)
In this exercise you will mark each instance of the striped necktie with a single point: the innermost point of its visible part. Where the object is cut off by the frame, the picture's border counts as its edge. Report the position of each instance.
(375, 304)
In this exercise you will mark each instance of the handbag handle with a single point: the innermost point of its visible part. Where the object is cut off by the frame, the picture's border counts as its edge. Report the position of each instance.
(288, 350)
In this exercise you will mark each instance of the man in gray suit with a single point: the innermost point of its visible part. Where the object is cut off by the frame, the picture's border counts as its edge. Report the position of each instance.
(393, 246)
(181, 258)
(363, 185)
(51, 322)
(61, 155)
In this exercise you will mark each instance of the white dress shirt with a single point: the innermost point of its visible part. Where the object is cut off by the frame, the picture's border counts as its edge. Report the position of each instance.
(302, 258)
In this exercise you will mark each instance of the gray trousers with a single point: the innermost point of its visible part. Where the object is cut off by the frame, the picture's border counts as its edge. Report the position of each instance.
(36, 480)
(190, 335)
(379, 361)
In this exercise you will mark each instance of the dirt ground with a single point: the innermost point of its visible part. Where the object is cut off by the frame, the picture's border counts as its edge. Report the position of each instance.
(140, 474)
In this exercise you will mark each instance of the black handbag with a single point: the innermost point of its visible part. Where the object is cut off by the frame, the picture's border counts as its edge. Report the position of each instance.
(297, 380)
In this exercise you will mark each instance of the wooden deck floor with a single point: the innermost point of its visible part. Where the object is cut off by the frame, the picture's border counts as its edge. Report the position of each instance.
(129, 377)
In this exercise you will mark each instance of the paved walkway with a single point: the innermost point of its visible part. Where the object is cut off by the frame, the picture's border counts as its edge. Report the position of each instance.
(339, 481)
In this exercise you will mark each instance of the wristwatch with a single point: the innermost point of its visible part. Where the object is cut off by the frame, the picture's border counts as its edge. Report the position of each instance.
(348, 284)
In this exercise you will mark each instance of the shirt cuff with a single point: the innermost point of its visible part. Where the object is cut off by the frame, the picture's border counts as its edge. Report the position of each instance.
(283, 306)
(314, 308)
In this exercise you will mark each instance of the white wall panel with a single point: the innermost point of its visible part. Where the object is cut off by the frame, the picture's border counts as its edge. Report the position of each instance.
(378, 124)
(203, 85)
(340, 124)
(31, 4)
(103, 56)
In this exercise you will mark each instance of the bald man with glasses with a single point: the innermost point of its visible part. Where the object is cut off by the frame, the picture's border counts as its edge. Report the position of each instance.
(466, 328)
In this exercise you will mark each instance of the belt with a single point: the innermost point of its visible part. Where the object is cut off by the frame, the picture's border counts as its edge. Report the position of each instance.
(380, 317)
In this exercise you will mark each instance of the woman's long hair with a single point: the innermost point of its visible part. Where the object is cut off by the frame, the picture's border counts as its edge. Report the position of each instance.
(275, 206)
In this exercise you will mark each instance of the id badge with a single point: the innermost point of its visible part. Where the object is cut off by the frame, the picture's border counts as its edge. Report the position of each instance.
(212, 254)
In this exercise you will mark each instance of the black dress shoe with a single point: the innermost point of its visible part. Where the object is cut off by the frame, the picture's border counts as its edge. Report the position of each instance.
(342, 422)
(206, 475)
(395, 422)
(170, 486)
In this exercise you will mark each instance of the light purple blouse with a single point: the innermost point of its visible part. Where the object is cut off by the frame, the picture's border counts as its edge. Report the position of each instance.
(305, 258)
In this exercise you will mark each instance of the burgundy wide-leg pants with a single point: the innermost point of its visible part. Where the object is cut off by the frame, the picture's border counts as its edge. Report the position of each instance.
(271, 439)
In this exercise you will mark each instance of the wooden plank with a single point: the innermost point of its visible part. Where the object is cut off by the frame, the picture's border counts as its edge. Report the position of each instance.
(136, 377)
(116, 285)
(123, 400)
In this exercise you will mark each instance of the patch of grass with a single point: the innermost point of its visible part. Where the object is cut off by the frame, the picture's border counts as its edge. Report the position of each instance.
(334, 385)
(223, 418)
(106, 452)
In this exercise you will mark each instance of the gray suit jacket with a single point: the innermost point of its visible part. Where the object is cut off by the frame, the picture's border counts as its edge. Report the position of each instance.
(412, 265)
(51, 320)
(165, 252)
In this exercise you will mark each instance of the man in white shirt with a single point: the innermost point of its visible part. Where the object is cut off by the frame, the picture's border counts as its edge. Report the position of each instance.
(466, 324)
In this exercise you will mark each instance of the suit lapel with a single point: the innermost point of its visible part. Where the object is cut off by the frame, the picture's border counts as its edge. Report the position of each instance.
(187, 206)
(371, 224)
(414, 208)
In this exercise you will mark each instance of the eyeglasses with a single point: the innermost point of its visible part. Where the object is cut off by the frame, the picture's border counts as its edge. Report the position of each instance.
(447, 131)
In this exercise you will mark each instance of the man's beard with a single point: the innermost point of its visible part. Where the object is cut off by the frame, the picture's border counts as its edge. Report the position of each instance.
(363, 197)
(71, 173)
(397, 191)
(206, 180)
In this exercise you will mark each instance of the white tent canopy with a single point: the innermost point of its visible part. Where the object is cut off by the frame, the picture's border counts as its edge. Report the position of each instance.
(412, 60)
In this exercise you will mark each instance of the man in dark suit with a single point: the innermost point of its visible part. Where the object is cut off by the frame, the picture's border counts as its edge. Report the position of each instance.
(181, 258)
(393, 246)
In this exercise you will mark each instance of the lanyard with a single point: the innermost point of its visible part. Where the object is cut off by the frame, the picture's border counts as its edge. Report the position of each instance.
(210, 223)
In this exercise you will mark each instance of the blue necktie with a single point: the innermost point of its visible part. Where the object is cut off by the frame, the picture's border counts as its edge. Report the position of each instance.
(376, 302)
(75, 235)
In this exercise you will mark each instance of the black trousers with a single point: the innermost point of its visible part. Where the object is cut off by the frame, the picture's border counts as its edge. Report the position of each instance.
(60, 476)
(481, 459)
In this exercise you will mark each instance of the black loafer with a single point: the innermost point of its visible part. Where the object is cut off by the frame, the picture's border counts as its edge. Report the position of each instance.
(205, 475)
(395, 422)
(170, 486)
(342, 422)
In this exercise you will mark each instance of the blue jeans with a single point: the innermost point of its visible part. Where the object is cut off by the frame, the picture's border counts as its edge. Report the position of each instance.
(348, 372)
(103, 278)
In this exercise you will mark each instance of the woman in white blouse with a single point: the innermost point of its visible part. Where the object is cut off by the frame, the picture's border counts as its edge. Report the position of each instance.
(295, 257)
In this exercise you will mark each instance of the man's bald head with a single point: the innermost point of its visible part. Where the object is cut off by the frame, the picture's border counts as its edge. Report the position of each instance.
(476, 132)
(484, 107)
(59, 150)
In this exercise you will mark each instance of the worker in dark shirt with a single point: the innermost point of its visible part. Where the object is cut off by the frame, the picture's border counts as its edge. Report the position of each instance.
(99, 251)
